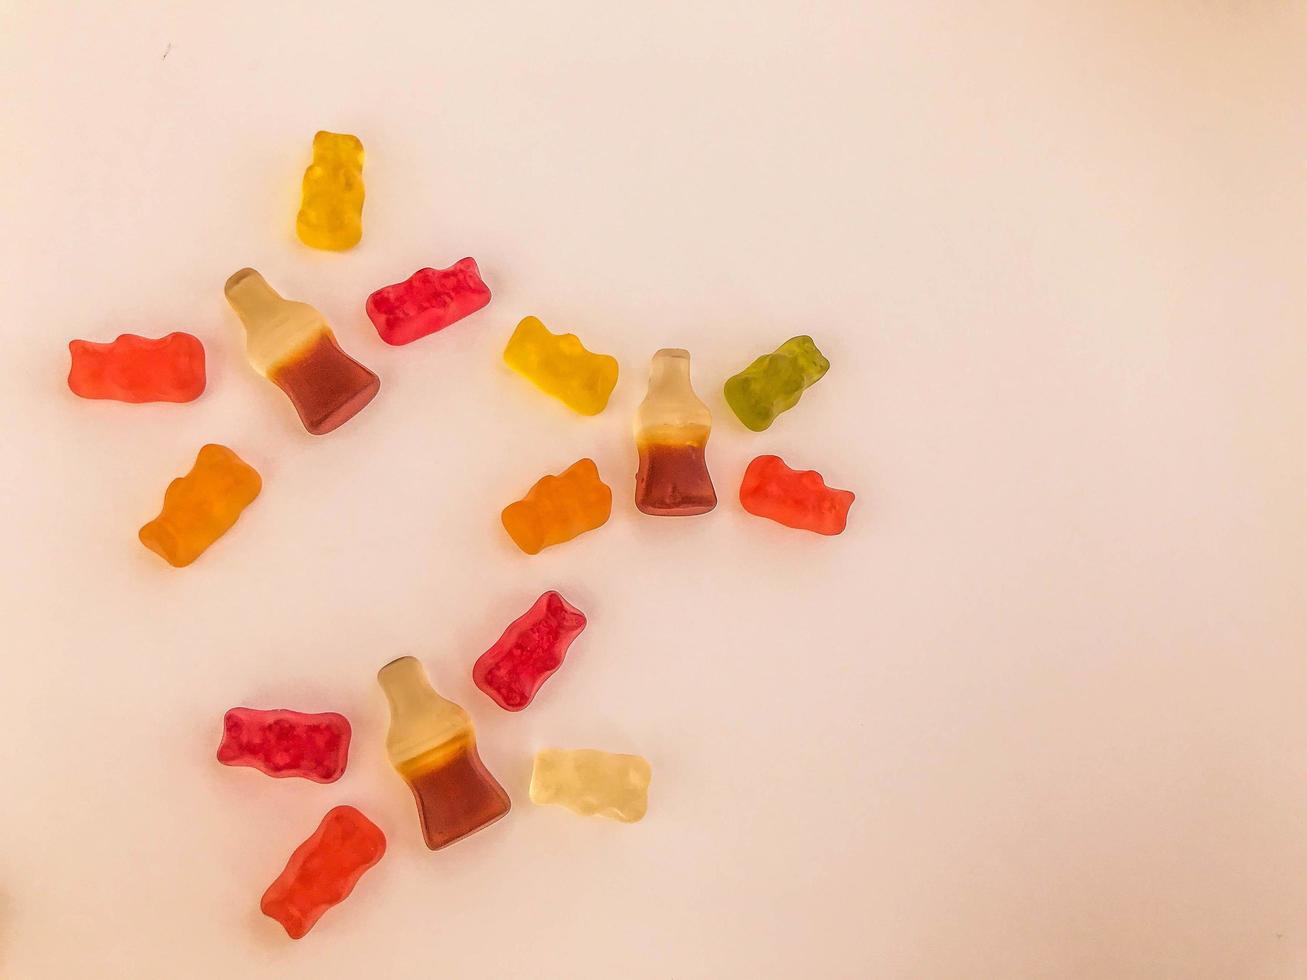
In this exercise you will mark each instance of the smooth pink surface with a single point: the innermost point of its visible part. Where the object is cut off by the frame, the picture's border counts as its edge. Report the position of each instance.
(1037, 713)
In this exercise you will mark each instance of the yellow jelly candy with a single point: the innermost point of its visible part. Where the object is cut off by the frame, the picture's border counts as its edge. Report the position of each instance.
(592, 783)
(560, 366)
(331, 206)
(201, 506)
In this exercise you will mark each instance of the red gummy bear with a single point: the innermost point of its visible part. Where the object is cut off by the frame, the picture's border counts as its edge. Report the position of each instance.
(795, 498)
(429, 300)
(323, 870)
(531, 649)
(284, 743)
(138, 369)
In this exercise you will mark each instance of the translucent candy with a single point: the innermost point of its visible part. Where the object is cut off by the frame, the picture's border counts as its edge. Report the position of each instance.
(331, 203)
(427, 301)
(795, 498)
(558, 508)
(560, 366)
(323, 870)
(201, 506)
(138, 369)
(531, 649)
(774, 382)
(431, 744)
(290, 344)
(285, 743)
(592, 783)
(671, 434)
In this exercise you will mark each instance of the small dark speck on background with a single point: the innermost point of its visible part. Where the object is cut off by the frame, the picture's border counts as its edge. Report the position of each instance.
(165, 51)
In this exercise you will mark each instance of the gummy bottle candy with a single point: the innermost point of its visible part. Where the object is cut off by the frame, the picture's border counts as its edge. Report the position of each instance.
(291, 345)
(431, 744)
(671, 433)
(331, 197)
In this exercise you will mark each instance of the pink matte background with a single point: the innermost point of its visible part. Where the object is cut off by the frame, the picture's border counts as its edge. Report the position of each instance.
(1041, 712)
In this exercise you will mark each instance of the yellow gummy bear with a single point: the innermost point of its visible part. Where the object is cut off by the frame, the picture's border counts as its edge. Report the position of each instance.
(331, 206)
(201, 506)
(560, 366)
(592, 783)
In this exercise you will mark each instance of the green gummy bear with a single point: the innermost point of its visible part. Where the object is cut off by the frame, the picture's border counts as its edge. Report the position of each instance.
(773, 383)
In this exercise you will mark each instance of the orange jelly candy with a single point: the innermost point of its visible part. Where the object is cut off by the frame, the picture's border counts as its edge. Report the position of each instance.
(432, 745)
(323, 870)
(558, 508)
(291, 345)
(138, 369)
(201, 506)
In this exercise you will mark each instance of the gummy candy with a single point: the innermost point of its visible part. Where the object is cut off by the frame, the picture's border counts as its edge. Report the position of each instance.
(531, 649)
(139, 369)
(427, 301)
(291, 345)
(560, 366)
(592, 783)
(284, 743)
(201, 506)
(331, 205)
(558, 508)
(795, 498)
(431, 744)
(323, 870)
(774, 382)
(671, 432)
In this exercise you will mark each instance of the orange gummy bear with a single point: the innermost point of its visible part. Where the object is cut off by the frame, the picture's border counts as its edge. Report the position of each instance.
(323, 870)
(558, 508)
(201, 506)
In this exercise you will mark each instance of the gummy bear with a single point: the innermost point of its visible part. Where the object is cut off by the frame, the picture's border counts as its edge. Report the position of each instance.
(285, 743)
(331, 204)
(795, 498)
(427, 301)
(291, 345)
(323, 870)
(201, 506)
(560, 365)
(774, 382)
(138, 369)
(671, 433)
(592, 783)
(558, 508)
(531, 649)
(431, 744)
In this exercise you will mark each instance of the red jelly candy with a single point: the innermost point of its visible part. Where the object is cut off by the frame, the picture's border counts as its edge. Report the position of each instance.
(532, 648)
(286, 743)
(795, 498)
(429, 300)
(323, 870)
(138, 369)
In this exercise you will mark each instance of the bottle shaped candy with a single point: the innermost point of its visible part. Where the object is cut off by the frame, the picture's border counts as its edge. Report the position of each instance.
(432, 745)
(291, 345)
(671, 432)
